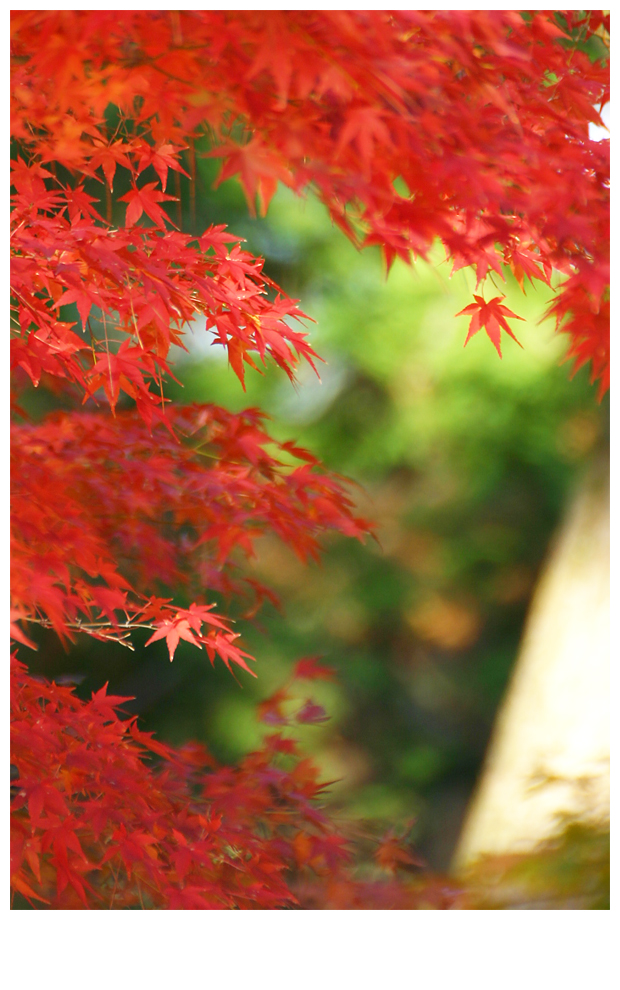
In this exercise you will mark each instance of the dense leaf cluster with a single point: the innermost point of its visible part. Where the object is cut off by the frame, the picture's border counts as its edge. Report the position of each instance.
(470, 127)
(467, 126)
(94, 825)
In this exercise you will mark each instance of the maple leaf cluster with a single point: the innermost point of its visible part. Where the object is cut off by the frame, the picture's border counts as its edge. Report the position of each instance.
(466, 126)
(144, 284)
(106, 514)
(94, 824)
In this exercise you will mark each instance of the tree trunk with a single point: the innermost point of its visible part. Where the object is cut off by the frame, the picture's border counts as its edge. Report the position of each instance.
(549, 754)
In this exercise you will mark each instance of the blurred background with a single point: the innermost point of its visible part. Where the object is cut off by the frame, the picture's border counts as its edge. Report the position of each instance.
(466, 463)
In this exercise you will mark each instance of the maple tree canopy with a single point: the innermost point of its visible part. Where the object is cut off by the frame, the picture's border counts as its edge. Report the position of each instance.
(470, 127)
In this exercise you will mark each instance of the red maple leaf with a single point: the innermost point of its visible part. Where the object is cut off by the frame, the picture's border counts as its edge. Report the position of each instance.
(174, 630)
(259, 170)
(145, 200)
(161, 159)
(310, 669)
(17, 633)
(492, 316)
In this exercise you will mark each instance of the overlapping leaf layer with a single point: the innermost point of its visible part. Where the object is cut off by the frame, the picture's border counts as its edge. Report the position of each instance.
(95, 825)
(469, 127)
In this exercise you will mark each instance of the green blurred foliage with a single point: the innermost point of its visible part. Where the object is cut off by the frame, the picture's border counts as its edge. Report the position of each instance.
(464, 461)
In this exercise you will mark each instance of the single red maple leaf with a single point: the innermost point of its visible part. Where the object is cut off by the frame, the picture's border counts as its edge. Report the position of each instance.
(492, 316)
(161, 159)
(174, 630)
(259, 169)
(145, 200)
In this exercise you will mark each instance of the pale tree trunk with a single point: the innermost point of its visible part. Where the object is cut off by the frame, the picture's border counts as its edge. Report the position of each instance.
(549, 754)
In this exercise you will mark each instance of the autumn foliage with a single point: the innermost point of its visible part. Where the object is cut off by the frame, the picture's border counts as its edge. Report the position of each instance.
(468, 127)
